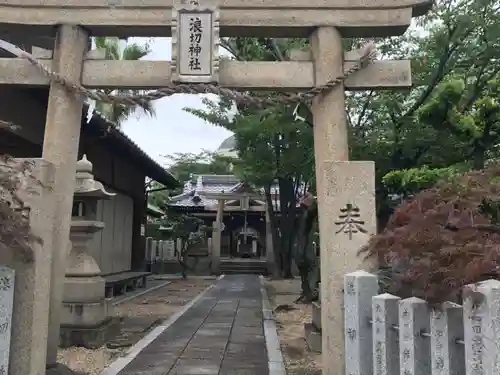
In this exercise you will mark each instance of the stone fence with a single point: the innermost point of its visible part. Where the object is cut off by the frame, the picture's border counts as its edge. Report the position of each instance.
(387, 335)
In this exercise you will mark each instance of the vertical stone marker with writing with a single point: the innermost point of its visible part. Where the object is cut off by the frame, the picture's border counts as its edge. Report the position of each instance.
(6, 307)
(349, 205)
(195, 44)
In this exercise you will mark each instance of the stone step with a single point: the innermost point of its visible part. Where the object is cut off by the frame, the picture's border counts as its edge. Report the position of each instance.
(316, 315)
(313, 337)
(243, 272)
(254, 267)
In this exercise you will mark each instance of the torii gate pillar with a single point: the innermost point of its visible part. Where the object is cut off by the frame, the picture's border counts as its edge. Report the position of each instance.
(60, 147)
(339, 183)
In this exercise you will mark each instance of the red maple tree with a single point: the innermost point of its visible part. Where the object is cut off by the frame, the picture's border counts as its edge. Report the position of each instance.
(442, 239)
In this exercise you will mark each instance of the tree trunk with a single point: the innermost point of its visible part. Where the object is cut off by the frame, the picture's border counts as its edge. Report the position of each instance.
(275, 235)
(288, 210)
(478, 158)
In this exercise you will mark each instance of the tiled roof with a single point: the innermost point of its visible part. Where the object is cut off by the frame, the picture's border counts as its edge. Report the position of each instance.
(195, 190)
(150, 167)
(154, 210)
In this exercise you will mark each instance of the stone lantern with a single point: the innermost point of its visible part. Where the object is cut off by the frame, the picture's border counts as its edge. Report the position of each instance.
(85, 320)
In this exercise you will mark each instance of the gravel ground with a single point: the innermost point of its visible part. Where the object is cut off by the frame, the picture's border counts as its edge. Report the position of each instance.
(157, 306)
(290, 323)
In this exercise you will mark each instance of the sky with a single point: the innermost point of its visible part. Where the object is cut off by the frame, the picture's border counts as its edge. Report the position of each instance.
(172, 130)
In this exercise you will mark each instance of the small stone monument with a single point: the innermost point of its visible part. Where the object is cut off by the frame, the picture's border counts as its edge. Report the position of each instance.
(85, 320)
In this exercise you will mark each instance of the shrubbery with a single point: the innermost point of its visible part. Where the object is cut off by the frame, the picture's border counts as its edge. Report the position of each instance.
(442, 238)
(15, 232)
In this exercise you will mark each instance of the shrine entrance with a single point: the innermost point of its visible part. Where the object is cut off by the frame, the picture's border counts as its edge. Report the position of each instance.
(320, 75)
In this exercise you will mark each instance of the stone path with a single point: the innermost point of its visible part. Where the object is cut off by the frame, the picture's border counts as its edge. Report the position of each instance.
(221, 334)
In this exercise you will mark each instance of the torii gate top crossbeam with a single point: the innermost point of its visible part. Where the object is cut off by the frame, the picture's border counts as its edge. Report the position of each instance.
(270, 18)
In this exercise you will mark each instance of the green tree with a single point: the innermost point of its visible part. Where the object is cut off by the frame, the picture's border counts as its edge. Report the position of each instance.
(421, 131)
(190, 230)
(117, 113)
(183, 165)
(449, 117)
(272, 146)
(158, 195)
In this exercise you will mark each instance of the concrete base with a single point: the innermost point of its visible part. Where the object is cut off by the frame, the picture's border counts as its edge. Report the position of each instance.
(89, 337)
(316, 315)
(313, 337)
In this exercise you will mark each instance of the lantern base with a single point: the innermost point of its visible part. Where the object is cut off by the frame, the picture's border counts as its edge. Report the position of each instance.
(89, 337)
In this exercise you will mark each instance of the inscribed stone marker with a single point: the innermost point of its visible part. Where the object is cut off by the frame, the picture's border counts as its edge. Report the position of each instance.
(446, 327)
(195, 44)
(385, 338)
(6, 307)
(481, 329)
(347, 183)
(359, 289)
(414, 349)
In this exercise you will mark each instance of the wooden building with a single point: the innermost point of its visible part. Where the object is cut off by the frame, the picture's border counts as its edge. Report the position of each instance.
(118, 163)
(243, 225)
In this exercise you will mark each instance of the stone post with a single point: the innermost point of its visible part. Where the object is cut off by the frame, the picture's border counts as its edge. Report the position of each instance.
(359, 289)
(447, 324)
(30, 317)
(209, 246)
(414, 349)
(60, 147)
(270, 263)
(154, 257)
(217, 237)
(149, 252)
(481, 328)
(160, 256)
(385, 338)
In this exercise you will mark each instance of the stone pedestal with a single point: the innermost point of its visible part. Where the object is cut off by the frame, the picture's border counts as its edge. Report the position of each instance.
(85, 320)
(313, 330)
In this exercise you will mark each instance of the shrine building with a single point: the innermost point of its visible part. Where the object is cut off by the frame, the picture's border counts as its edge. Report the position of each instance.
(244, 233)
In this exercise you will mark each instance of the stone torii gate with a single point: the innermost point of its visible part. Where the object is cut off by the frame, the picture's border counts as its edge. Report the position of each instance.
(339, 182)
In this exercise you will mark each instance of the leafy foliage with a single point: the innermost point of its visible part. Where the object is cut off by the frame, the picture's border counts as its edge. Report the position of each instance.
(15, 231)
(443, 238)
(407, 182)
(190, 230)
(272, 145)
(183, 165)
(117, 113)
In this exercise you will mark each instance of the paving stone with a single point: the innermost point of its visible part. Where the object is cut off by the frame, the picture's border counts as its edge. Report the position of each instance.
(151, 364)
(221, 334)
(243, 371)
(224, 332)
(203, 353)
(195, 367)
(242, 330)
